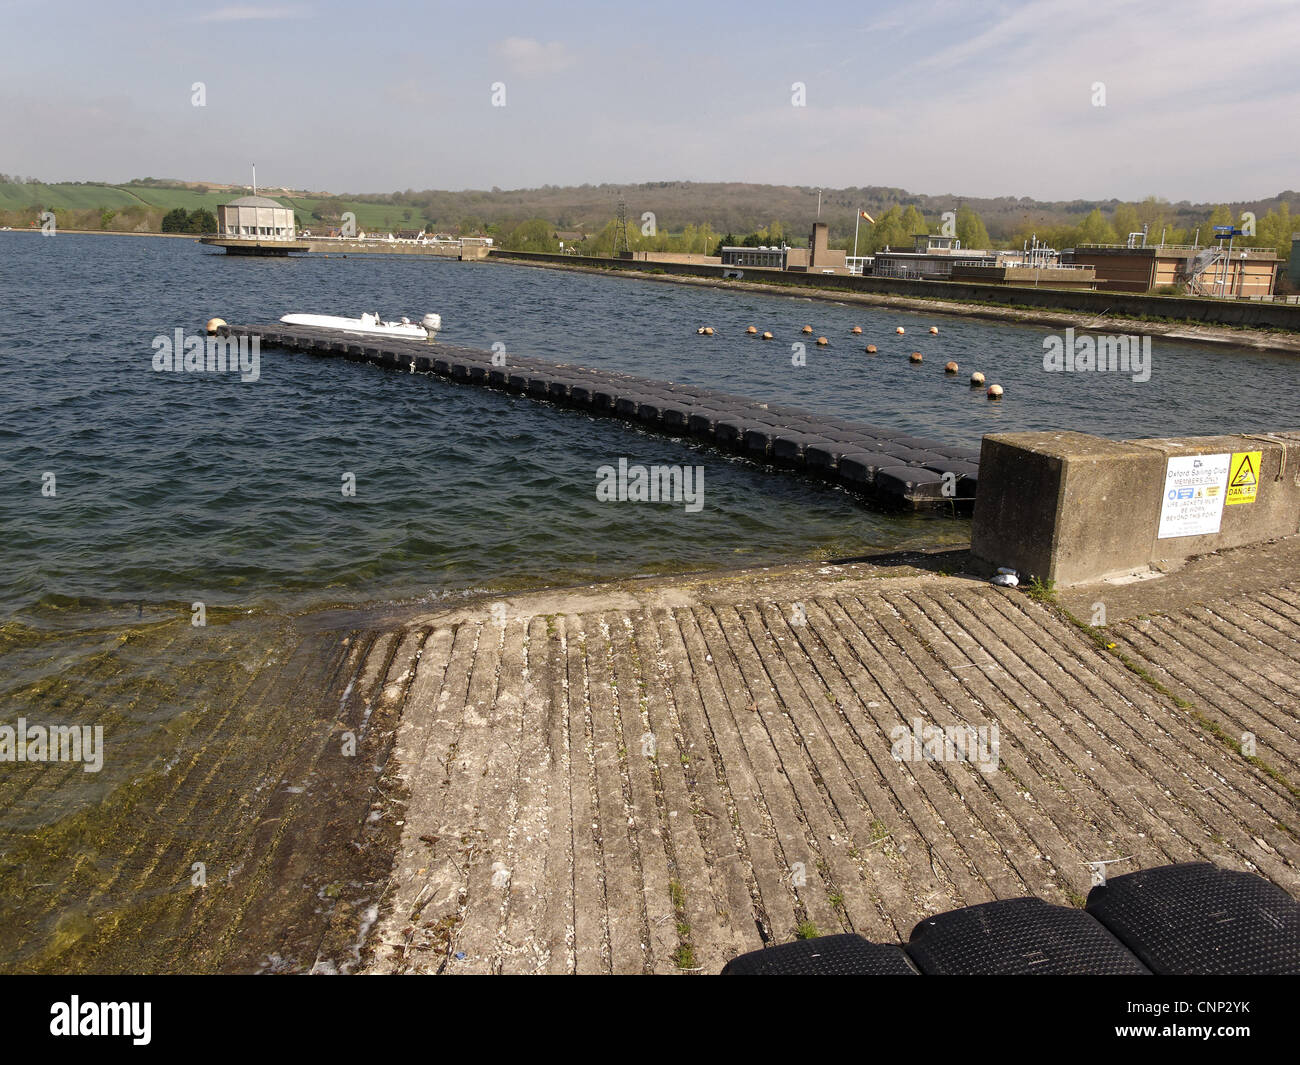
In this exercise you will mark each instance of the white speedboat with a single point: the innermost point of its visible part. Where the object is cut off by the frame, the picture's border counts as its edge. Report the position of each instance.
(371, 325)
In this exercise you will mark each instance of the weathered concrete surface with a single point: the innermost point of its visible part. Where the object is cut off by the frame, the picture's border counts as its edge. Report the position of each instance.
(1223, 634)
(337, 767)
(1057, 504)
(656, 776)
(1073, 508)
(229, 828)
(1276, 510)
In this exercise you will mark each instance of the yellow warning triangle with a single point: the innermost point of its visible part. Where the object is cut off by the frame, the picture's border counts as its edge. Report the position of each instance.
(1245, 474)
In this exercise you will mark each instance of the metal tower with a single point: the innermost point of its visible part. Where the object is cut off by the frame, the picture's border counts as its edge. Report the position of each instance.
(621, 244)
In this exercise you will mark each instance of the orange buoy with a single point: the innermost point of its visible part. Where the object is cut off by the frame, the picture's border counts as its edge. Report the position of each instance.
(822, 341)
(751, 331)
(767, 336)
(995, 392)
(806, 329)
(900, 330)
(856, 330)
(871, 349)
(934, 330)
(977, 380)
(214, 324)
(951, 367)
(916, 356)
(708, 330)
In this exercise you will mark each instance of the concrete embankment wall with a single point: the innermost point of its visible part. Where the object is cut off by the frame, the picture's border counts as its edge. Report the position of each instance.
(1254, 314)
(384, 247)
(1074, 508)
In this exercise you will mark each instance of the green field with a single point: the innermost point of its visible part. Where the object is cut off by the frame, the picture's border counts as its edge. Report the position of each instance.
(86, 197)
(370, 216)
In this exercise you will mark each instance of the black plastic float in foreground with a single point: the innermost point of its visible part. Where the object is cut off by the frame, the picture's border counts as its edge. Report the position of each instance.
(879, 464)
(1188, 919)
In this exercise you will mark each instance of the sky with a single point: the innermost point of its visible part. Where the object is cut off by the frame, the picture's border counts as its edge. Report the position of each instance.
(1053, 99)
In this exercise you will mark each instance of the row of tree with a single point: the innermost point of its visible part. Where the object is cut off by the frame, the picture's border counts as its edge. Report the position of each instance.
(180, 220)
(540, 235)
(136, 218)
(1274, 230)
(897, 227)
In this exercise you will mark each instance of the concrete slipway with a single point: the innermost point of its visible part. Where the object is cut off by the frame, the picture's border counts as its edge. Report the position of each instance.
(543, 831)
(649, 775)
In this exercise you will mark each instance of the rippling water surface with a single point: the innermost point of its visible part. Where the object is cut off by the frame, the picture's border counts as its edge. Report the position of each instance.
(173, 488)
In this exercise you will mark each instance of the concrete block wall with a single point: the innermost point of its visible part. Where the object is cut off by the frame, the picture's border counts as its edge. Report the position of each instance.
(1251, 313)
(1073, 508)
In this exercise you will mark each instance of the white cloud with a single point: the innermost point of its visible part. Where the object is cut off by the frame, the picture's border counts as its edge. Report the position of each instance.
(528, 56)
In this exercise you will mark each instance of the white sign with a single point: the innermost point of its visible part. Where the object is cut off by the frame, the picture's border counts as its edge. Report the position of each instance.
(1195, 487)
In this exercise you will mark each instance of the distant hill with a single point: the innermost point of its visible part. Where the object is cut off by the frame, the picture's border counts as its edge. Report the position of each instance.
(138, 207)
(727, 207)
(733, 207)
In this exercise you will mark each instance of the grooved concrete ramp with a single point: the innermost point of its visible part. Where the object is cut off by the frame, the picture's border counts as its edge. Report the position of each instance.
(229, 828)
(1237, 660)
(649, 775)
(655, 777)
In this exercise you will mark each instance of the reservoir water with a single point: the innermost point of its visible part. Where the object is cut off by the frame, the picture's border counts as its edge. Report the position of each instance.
(175, 488)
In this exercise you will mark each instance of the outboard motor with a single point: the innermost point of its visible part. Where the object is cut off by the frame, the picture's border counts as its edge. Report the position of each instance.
(432, 323)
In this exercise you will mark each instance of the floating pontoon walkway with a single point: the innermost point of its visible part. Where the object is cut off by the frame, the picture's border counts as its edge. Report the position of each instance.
(878, 464)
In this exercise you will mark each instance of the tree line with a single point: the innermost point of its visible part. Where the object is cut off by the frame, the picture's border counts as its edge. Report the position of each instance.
(180, 220)
(898, 225)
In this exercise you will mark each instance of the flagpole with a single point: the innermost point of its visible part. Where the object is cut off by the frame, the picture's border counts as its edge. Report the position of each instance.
(857, 217)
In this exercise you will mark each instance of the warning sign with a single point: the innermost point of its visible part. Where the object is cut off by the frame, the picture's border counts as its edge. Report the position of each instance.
(1195, 486)
(1243, 477)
